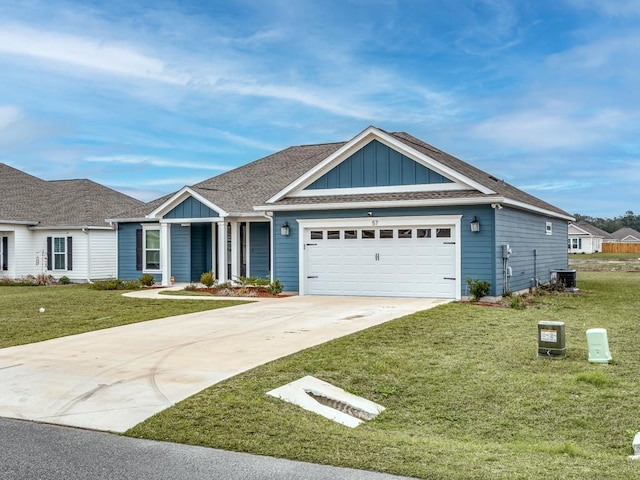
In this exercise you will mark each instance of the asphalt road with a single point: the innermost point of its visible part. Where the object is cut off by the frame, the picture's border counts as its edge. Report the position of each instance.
(33, 451)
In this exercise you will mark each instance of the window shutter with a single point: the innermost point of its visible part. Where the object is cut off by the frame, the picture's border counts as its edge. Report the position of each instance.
(5, 253)
(69, 253)
(139, 249)
(49, 254)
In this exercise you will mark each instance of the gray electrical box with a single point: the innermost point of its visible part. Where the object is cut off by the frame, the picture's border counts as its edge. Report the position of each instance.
(506, 251)
(551, 339)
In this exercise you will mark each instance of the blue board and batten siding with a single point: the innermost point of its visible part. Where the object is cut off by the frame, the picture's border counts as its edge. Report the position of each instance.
(534, 253)
(201, 250)
(476, 250)
(127, 251)
(191, 208)
(259, 251)
(181, 253)
(377, 165)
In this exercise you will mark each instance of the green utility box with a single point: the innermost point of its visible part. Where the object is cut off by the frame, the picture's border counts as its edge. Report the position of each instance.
(598, 344)
(551, 339)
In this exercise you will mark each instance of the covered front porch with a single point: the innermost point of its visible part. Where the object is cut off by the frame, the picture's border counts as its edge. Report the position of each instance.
(230, 248)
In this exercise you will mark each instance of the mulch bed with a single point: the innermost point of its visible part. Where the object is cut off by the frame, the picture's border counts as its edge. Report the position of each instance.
(237, 292)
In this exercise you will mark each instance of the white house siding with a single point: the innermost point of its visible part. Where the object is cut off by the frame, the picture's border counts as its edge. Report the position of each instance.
(103, 254)
(22, 253)
(28, 253)
(586, 243)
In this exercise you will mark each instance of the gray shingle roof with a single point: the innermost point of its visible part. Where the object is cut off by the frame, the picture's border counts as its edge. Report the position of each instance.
(26, 198)
(625, 232)
(243, 188)
(595, 231)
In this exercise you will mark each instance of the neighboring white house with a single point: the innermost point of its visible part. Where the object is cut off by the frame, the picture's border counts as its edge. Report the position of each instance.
(57, 227)
(626, 235)
(585, 238)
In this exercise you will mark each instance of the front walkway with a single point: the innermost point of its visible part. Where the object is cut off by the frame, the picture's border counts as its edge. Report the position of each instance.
(115, 378)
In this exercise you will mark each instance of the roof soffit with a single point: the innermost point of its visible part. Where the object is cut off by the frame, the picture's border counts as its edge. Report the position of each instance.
(361, 140)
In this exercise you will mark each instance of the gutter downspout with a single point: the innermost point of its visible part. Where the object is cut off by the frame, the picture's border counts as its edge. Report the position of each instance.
(87, 232)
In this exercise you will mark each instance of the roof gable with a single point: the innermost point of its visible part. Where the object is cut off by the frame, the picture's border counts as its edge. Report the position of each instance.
(377, 165)
(186, 204)
(626, 234)
(586, 229)
(361, 142)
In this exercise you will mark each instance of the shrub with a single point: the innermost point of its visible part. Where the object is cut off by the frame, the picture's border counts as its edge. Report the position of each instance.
(64, 280)
(478, 288)
(130, 285)
(192, 287)
(147, 280)
(207, 279)
(275, 287)
(115, 284)
(254, 281)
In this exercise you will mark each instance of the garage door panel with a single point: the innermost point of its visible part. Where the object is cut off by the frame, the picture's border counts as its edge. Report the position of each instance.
(400, 261)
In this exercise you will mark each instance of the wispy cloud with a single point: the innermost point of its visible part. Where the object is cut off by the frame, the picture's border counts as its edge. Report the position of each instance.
(156, 162)
(9, 115)
(550, 128)
(84, 52)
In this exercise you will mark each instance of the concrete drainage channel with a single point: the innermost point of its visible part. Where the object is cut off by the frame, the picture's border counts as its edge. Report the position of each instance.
(327, 400)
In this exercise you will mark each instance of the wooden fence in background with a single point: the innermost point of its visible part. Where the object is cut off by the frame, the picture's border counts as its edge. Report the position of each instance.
(608, 247)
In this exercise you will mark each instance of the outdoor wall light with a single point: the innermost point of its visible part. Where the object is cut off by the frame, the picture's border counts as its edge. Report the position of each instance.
(284, 229)
(475, 224)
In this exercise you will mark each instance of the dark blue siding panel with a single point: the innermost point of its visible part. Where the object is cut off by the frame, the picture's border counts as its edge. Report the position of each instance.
(534, 253)
(382, 164)
(477, 250)
(357, 169)
(201, 246)
(344, 175)
(127, 251)
(259, 249)
(377, 165)
(191, 208)
(333, 178)
(369, 162)
(408, 171)
(181, 253)
(395, 173)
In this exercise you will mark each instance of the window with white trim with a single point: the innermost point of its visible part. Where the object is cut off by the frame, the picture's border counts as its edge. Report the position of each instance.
(151, 252)
(549, 228)
(575, 243)
(59, 253)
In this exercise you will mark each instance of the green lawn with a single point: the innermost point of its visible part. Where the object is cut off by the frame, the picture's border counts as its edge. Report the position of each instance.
(466, 395)
(72, 309)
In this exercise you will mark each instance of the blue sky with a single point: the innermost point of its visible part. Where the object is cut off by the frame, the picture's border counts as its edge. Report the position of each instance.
(146, 97)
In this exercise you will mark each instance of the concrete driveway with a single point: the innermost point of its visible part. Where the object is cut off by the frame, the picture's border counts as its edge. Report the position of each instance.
(115, 378)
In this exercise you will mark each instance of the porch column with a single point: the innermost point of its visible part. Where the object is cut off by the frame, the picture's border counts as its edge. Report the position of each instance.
(235, 250)
(222, 251)
(165, 253)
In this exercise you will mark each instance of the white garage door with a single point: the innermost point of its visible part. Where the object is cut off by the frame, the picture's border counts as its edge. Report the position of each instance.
(408, 261)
